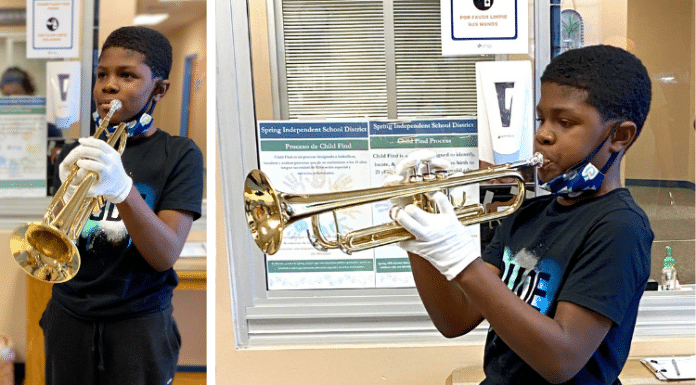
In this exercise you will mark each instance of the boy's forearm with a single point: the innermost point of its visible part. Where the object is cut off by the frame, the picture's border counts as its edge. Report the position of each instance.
(446, 303)
(158, 238)
(550, 346)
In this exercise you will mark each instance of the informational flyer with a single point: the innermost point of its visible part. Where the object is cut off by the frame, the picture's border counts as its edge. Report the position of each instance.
(479, 27)
(22, 147)
(323, 157)
(454, 140)
(53, 28)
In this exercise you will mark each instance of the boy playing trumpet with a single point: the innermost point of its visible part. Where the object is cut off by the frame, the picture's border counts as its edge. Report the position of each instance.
(561, 281)
(112, 323)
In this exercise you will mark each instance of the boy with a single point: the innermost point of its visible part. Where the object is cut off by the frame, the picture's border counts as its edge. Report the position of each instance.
(561, 280)
(112, 323)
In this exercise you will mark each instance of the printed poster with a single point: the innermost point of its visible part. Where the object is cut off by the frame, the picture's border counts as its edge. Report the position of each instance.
(23, 147)
(480, 27)
(319, 157)
(53, 29)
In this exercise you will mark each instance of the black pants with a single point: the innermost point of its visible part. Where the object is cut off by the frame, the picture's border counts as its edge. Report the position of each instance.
(138, 351)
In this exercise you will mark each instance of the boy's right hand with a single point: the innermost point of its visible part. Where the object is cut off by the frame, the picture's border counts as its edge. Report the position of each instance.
(439, 238)
(97, 156)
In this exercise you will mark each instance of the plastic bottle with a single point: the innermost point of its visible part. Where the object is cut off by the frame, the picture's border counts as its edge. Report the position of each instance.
(669, 273)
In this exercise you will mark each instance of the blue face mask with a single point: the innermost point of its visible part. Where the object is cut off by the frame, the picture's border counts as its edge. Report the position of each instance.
(135, 127)
(582, 178)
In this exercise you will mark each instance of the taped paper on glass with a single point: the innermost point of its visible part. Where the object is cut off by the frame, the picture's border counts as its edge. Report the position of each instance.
(318, 157)
(505, 104)
(53, 29)
(23, 147)
(480, 27)
(63, 93)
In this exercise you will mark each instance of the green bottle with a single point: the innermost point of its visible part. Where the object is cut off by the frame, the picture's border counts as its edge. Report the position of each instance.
(669, 273)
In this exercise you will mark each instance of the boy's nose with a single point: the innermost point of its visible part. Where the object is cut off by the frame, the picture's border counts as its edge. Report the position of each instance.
(110, 86)
(544, 135)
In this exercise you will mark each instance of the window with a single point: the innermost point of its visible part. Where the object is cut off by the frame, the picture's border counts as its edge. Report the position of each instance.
(310, 317)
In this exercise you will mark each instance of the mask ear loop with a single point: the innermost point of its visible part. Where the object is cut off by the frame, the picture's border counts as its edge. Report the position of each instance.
(152, 96)
(150, 105)
(595, 151)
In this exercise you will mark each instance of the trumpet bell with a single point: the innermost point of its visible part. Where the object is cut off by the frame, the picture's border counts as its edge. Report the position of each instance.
(263, 212)
(44, 252)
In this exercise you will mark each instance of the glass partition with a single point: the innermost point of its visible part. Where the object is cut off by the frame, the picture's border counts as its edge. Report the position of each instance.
(338, 61)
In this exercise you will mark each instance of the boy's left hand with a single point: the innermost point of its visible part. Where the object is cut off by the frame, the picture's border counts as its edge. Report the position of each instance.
(96, 155)
(439, 238)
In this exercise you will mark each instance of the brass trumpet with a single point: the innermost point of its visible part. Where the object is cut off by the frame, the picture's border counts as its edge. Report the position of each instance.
(46, 250)
(269, 211)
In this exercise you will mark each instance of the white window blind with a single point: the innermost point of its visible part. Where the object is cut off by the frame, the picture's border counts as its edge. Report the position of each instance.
(428, 84)
(335, 58)
(371, 58)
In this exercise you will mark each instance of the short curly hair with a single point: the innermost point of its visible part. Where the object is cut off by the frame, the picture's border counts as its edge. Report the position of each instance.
(615, 81)
(154, 45)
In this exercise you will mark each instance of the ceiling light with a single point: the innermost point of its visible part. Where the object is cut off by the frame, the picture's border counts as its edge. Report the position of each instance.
(150, 19)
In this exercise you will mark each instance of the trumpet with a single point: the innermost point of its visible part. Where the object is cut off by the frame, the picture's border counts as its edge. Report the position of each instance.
(46, 250)
(269, 211)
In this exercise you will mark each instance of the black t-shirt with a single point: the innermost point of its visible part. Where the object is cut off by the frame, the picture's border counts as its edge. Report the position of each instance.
(595, 254)
(114, 280)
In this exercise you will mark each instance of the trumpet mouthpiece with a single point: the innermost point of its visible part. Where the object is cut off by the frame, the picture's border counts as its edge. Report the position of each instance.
(114, 106)
(537, 160)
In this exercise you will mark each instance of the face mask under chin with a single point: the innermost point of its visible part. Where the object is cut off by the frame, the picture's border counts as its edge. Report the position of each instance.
(135, 127)
(584, 177)
(576, 182)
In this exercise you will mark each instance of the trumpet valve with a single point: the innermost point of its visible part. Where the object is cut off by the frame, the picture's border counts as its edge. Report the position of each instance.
(415, 175)
(436, 168)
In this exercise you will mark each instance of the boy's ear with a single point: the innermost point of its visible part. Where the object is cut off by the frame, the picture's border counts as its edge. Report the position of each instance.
(624, 135)
(161, 90)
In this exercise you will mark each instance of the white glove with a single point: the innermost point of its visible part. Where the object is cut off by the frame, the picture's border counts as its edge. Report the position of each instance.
(440, 238)
(96, 155)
